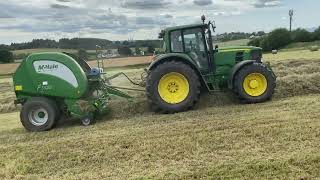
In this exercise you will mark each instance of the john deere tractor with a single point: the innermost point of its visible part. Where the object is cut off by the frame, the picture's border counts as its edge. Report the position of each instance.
(190, 64)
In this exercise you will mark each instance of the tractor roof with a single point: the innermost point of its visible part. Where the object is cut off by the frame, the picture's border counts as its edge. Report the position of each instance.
(185, 27)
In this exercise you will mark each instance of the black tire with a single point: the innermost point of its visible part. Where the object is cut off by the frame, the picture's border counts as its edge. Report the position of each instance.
(249, 69)
(28, 114)
(88, 120)
(153, 79)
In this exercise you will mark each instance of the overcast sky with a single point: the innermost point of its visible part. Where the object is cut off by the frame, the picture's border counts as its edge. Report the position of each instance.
(24, 20)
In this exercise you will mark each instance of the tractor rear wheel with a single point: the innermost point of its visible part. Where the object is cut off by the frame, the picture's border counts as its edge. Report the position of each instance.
(254, 83)
(173, 87)
(39, 114)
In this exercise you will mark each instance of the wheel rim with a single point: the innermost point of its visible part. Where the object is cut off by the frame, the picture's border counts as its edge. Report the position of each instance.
(255, 84)
(173, 88)
(38, 117)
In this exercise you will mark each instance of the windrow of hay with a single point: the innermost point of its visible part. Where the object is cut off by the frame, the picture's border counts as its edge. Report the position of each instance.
(297, 78)
(7, 97)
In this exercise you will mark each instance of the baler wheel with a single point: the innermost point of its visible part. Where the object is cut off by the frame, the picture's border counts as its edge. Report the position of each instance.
(87, 120)
(38, 114)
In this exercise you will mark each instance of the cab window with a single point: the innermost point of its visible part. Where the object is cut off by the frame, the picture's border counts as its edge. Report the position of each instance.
(194, 45)
(176, 41)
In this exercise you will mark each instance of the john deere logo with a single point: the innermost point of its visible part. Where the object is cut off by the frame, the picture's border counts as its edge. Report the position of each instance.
(47, 67)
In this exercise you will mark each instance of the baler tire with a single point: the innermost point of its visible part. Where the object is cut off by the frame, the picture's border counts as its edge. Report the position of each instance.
(87, 120)
(255, 68)
(157, 103)
(35, 104)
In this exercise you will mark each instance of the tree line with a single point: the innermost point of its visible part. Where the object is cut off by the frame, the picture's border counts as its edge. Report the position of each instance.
(281, 37)
(80, 43)
(237, 36)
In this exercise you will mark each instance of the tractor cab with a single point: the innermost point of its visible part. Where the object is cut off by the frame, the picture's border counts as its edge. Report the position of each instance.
(189, 40)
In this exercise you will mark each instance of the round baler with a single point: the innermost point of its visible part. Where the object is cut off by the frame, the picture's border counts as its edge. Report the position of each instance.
(51, 85)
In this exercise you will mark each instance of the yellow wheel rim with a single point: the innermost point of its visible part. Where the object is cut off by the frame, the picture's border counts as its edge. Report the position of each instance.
(255, 84)
(173, 88)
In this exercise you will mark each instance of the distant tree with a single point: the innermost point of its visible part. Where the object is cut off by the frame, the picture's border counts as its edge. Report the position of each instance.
(151, 49)
(125, 43)
(5, 47)
(261, 33)
(276, 39)
(137, 50)
(255, 42)
(83, 54)
(124, 51)
(265, 44)
(316, 34)
(6, 56)
(301, 35)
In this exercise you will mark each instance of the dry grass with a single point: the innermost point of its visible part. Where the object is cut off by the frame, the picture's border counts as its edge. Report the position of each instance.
(7, 97)
(120, 62)
(265, 141)
(297, 77)
(221, 139)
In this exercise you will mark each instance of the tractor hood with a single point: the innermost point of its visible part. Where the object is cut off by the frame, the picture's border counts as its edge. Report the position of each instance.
(238, 48)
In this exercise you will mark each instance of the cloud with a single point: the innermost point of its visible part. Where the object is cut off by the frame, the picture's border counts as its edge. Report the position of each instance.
(202, 2)
(58, 6)
(266, 3)
(144, 4)
(119, 18)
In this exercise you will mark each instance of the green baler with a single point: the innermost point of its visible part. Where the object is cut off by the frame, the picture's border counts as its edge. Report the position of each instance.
(49, 85)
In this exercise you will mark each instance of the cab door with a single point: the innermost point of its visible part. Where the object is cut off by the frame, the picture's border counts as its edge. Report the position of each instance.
(195, 47)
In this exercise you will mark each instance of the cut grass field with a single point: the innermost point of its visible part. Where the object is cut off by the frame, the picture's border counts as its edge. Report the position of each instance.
(265, 141)
(220, 139)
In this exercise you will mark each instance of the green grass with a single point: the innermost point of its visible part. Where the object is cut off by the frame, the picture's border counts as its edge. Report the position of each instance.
(301, 45)
(241, 42)
(29, 51)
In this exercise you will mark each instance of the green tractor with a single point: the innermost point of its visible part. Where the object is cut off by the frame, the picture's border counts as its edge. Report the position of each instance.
(191, 63)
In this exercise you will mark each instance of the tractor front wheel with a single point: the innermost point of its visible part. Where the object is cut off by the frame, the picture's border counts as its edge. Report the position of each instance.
(38, 114)
(254, 83)
(173, 87)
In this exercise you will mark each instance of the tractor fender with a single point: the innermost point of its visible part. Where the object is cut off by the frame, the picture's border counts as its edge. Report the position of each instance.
(235, 70)
(177, 57)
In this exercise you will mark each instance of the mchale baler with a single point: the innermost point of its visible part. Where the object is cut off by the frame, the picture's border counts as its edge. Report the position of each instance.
(51, 85)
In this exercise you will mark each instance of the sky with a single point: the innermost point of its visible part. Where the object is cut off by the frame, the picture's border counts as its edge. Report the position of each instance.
(24, 20)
